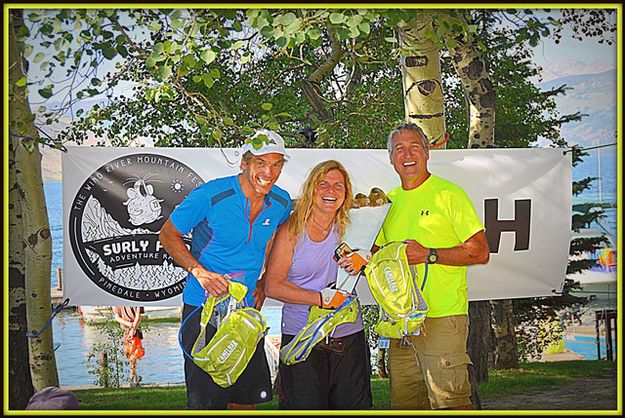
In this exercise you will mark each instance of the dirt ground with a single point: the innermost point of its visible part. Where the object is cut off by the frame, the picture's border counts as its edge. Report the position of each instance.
(579, 394)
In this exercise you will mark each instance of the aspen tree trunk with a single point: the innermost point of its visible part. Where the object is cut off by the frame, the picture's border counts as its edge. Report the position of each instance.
(421, 77)
(35, 225)
(20, 383)
(479, 92)
(507, 356)
(480, 95)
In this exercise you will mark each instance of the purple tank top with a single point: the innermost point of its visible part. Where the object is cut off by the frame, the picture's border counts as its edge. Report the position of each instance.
(313, 268)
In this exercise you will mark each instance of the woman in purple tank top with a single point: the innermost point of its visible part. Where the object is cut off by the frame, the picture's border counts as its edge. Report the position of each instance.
(336, 375)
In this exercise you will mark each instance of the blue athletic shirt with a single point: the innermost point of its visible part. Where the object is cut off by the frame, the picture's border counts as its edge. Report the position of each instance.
(224, 240)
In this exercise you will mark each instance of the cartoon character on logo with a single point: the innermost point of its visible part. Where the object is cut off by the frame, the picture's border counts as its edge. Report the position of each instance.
(143, 207)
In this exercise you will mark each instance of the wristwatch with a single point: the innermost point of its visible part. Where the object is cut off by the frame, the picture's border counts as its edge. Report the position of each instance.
(432, 256)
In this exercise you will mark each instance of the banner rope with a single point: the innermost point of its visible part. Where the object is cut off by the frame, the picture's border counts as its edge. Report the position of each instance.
(55, 311)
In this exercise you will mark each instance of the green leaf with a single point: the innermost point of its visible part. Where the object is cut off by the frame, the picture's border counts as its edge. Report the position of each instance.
(274, 126)
(197, 78)
(294, 27)
(364, 27)
(122, 51)
(189, 61)
(215, 73)
(336, 18)
(34, 17)
(208, 56)
(96, 81)
(300, 37)
(314, 33)
(109, 52)
(208, 80)
(38, 57)
(46, 92)
(158, 48)
(237, 45)
(266, 106)
(391, 39)
(177, 24)
(150, 62)
(155, 26)
(21, 82)
(282, 42)
(288, 18)
(164, 71)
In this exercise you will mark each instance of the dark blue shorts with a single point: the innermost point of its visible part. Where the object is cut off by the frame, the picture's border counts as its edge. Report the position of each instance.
(335, 376)
(253, 386)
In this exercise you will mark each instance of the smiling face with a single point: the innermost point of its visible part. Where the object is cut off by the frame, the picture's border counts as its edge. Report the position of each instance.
(330, 192)
(409, 158)
(260, 173)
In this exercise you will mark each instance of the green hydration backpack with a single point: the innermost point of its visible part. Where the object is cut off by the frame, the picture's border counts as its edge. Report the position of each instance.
(321, 323)
(393, 284)
(227, 354)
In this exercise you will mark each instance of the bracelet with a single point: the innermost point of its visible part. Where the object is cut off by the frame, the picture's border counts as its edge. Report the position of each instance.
(320, 300)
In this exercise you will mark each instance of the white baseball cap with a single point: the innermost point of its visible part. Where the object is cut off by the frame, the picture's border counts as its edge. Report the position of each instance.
(275, 144)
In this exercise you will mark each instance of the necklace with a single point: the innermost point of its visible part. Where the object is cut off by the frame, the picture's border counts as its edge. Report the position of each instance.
(326, 229)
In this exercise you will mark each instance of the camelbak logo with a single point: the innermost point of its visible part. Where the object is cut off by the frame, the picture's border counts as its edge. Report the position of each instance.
(390, 279)
(231, 347)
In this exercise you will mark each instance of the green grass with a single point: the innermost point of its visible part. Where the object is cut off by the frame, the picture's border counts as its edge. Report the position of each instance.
(529, 376)
(541, 376)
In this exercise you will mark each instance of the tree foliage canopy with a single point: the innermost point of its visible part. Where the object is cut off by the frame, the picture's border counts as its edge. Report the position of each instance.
(203, 77)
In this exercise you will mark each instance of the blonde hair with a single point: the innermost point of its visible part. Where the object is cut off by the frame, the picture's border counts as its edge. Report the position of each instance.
(304, 205)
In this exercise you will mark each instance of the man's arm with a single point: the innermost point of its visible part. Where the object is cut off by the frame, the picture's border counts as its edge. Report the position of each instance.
(474, 250)
(171, 239)
(137, 320)
(259, 292)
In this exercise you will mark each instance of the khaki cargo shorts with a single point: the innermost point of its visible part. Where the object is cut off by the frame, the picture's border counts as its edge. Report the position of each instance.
(430, 370)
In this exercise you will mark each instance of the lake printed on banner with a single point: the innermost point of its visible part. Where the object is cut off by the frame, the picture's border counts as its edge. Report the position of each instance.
(163, 362)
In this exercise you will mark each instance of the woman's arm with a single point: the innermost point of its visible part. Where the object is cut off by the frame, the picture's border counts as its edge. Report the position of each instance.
(280, 259)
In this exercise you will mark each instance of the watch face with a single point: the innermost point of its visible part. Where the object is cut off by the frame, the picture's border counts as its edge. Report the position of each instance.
(432, 258)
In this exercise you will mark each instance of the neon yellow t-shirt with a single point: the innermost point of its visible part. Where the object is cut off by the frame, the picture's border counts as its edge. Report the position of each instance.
(437, 214)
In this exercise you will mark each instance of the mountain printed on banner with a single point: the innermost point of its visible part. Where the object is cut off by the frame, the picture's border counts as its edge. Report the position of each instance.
(99, 225)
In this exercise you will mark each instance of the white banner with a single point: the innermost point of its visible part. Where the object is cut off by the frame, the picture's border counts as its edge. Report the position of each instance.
(115, 200)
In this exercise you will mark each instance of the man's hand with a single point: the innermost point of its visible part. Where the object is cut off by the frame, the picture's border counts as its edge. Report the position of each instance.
(354, 262)
(416, 252)
(332, 298)
(216, 284)
(259, 294)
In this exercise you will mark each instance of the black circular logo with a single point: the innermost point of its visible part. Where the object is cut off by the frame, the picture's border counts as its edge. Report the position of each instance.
(115, 220)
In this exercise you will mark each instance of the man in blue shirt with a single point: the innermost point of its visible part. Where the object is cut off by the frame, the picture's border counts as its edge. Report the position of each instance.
(233, 220)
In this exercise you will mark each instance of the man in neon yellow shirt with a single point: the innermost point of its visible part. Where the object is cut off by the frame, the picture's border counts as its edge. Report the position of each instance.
(438, 221)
